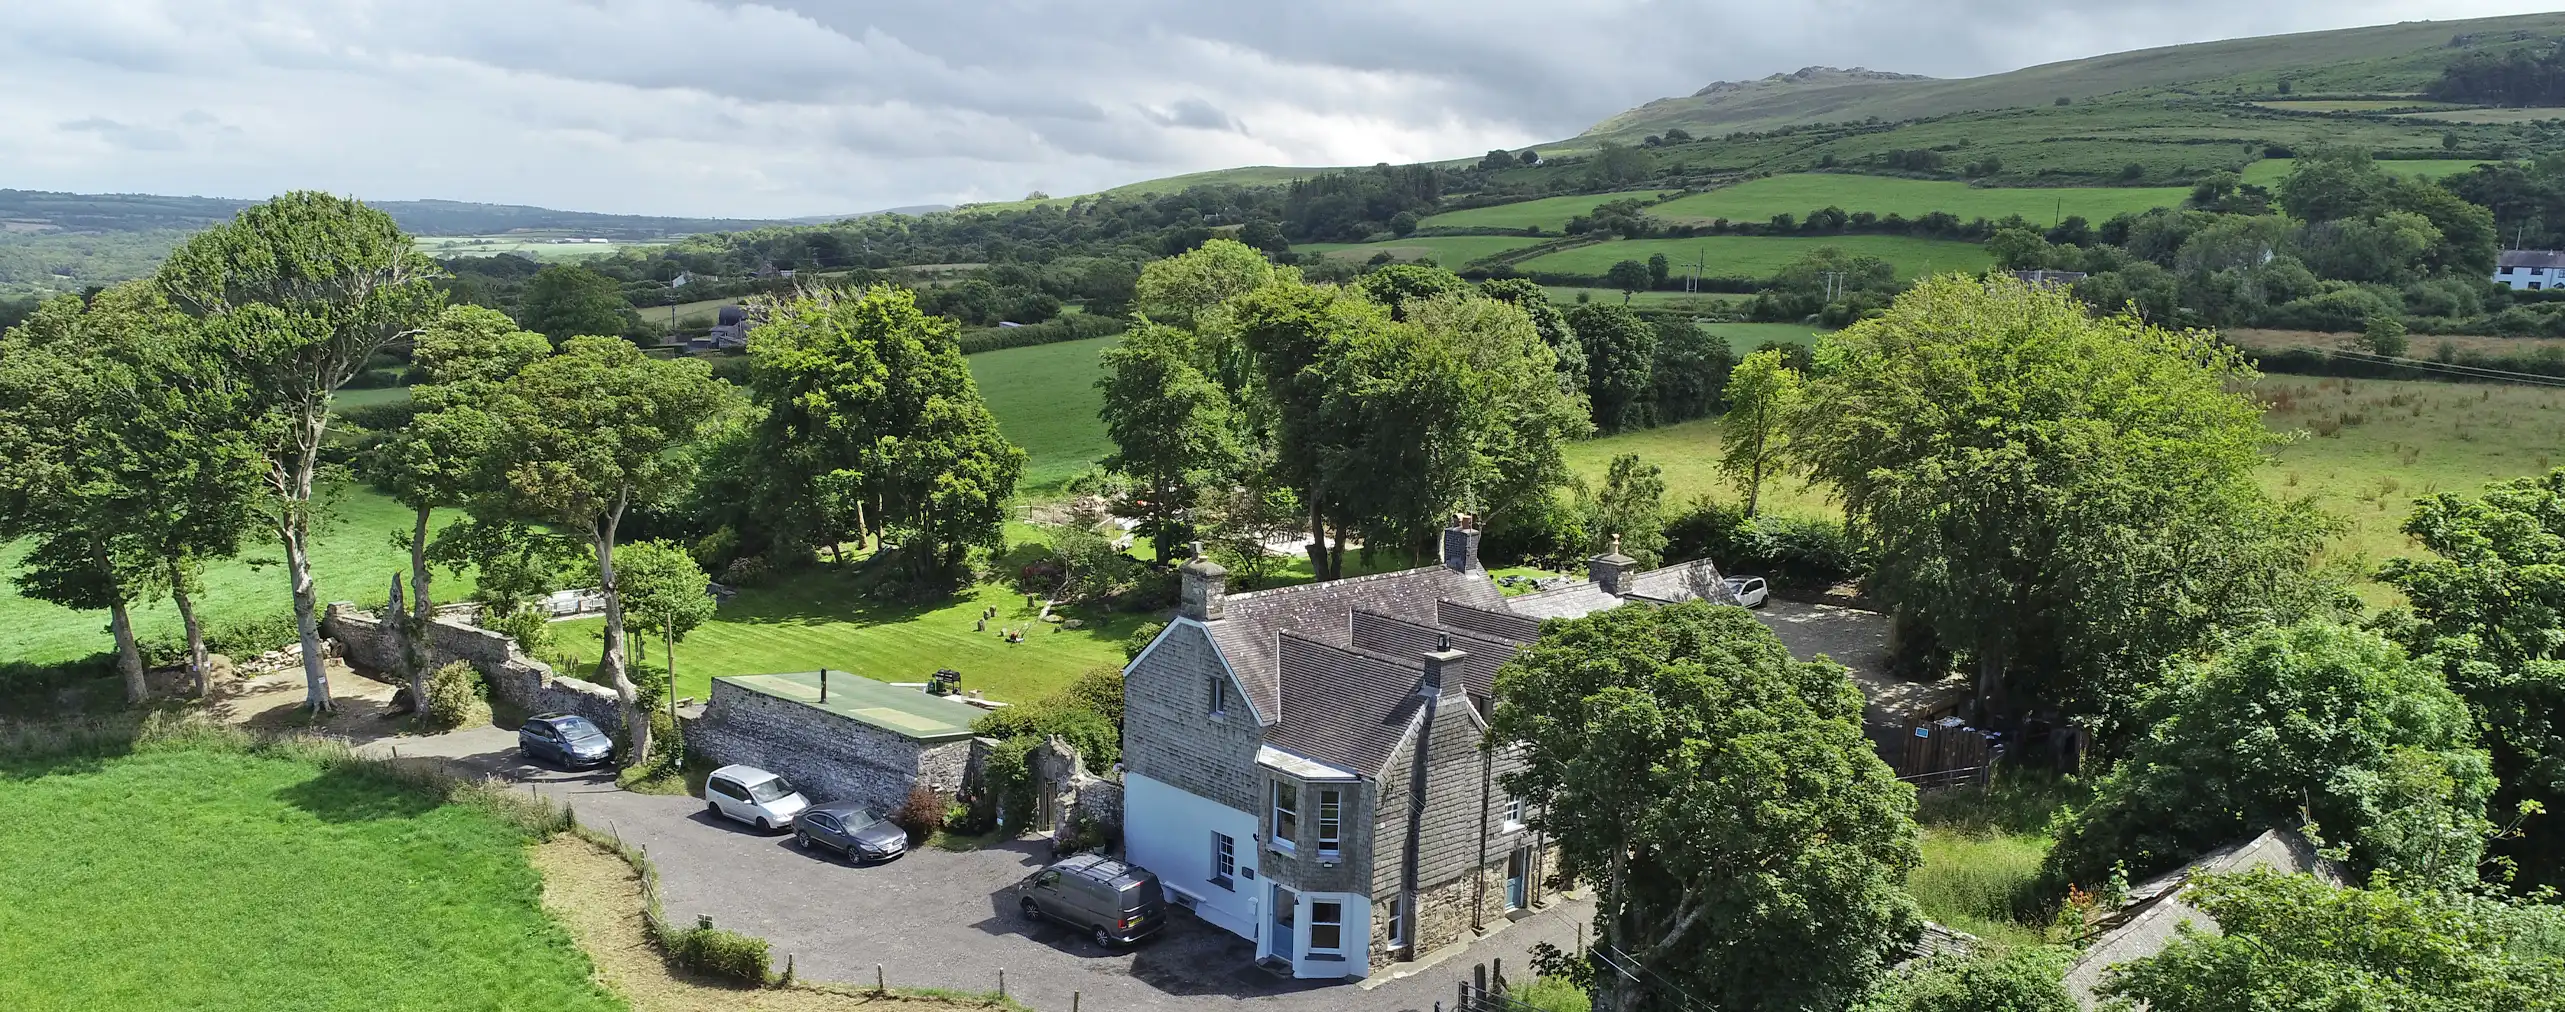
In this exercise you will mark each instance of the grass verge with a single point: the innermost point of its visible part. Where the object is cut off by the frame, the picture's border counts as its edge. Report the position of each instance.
(1983, 847)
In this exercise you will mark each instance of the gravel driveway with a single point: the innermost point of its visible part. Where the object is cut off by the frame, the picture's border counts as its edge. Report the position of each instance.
(942, 919)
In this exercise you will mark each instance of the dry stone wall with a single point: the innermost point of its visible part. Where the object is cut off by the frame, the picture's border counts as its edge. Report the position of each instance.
(832, 758)
(519, 680)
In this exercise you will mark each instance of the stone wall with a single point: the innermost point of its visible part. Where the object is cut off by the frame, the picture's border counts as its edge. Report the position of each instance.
(832, 758)
(513, 677)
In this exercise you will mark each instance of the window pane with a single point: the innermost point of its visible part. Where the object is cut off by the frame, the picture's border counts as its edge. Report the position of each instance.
(1330, 818)
(1286, 811)
(1326, 926)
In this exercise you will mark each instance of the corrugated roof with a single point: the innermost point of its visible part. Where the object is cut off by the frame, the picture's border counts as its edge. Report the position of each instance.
(1250, 623)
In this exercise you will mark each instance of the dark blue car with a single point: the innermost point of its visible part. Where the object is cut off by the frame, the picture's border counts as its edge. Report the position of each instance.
(850, 829)
(565, 739)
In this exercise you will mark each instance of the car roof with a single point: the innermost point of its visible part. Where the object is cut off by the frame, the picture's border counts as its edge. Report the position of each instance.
(1100, 868)
(841, 808)
(744, 776)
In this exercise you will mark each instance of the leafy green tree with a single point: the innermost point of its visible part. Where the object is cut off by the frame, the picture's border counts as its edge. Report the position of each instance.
(868, 400)
(564, 301)
(1173, 428)
(1614, 165)
(1177, 290)
(1763, 395)
(2027, 979)
(1644, 732)
(1290, 331)
(1528, 295)
(434, 461)
(2018, 249)
(1628, 513)
(2489, 604)
(1620, 358)
(2313, 721)
(1691, 366)
(295, 295)
(1630, 276)
(585, 436)
(1658, 270)
(2066, 499)
(1396, 285)
(665, 594)
(2295, 942)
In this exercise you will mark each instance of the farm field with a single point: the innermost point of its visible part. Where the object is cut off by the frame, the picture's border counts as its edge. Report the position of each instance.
(353, 559)
(1799, 193)
(1759, 256)
(2528, 115)
(1703, 302)
(538, 248)
(700, 313)
(196, 866)
(2270, 171)
(2352, 104)
(1045, 400)
(1447, 250)
(1549, 214)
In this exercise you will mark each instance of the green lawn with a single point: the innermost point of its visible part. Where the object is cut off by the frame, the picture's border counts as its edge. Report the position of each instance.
(1448, 250)
(1045, 400)
(1737, 256)
(1704, 303)
(203, 878)
(821, 619)
(1550, 214)
(1797, 194)
(2269, 171)
(369, 397)
(354, 558)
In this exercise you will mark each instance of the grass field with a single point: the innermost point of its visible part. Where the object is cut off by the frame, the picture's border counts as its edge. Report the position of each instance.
(1757, 256)
(1566, 295)
(1550, 214)
(369, 397)
(201, 878)
(2269, 171)
(2529, 115)
(700, 313)
(534, 248)
(1797, 194)
(1448, 250)
(1982, 846)
(1046, 400)
(2351, 104)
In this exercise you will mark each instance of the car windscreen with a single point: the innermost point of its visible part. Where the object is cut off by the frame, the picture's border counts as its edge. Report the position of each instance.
(575, 728)
(1141, 894)
(858, 819)
(769, 790)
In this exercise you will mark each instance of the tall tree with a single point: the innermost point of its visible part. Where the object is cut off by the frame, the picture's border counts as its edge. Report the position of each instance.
(1630, 276)
(1174, 431)
(1177, 290)
(1628, 513)
(1690, 367)
(2067, 499)
(295, 295)
(1620, 358)
(583, 437)
(433, 461)
(1528, 296)
(1762, 393)
(2489, 605)
(1290, 331)
(564, 301)
(1645, 732)
(666, 594)
(868, 399)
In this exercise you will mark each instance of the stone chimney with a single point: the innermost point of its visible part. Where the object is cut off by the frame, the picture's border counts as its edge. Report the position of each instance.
(1442, 659)
(1460, 543)
(1611, 570)
(1203, 583)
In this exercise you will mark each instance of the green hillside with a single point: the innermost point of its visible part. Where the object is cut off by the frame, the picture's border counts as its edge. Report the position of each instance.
(1756, 256)
(1800, 193)
(1449, 251)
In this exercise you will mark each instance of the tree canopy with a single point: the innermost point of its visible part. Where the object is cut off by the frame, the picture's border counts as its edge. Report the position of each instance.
(564, 301)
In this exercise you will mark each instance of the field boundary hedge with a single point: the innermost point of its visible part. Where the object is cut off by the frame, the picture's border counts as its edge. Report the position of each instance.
(1071, 327)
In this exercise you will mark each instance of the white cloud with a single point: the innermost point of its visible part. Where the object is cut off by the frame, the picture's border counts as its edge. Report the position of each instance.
(715, 107)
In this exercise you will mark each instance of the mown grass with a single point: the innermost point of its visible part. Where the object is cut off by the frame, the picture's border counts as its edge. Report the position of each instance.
(1046, 400)
(1549, 214)
(2269, 171)
(1447, 250)
(1796, 194)
(1738, 256)
(204, 878)
(1699, 302)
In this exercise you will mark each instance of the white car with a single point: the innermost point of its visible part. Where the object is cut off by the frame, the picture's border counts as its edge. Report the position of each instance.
(753, 796)
(1749, 591)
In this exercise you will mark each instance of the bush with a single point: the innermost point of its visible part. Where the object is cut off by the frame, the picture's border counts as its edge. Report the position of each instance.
(1098, 689)
(2004, 980)
(1098, 742)
(729, 955)
(531, 629)
(253, 636)
(921, 815)
(1140, 639)
(453, 697)
(747, 571)
(1073, 327)
(1792, 552)
(1553, 994)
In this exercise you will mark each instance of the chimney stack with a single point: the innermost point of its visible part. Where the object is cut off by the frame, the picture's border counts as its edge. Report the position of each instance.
(1460, 543)
(1442, 659)
(1202, 584)
(1611, 570)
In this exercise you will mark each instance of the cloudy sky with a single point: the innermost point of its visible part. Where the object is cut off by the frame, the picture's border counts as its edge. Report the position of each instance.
(794, 107)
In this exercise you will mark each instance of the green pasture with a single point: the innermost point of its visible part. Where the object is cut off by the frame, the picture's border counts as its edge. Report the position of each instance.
(198, 877)
(1549, 214)
(1797, 194)
(1761, 256)
(2269, 171)
(532, 247)
(699, 313)
(1704, 302)
(2352, 104)
(369, 397)
(1045, 400)
(2524, 115)
(1447, 250)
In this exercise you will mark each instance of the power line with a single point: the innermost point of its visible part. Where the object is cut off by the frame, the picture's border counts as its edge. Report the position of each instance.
(2448, 368)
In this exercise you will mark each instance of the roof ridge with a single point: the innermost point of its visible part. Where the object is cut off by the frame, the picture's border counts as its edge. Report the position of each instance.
(1437, 627)
(1418, 666)
(1271, 593)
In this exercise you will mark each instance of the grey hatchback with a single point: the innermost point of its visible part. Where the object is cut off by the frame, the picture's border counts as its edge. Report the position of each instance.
(849, 829)
(566, 739)
(1120, 903)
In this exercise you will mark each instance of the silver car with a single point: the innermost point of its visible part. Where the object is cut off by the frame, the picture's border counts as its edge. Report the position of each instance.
(751, 795)
(1749, 591)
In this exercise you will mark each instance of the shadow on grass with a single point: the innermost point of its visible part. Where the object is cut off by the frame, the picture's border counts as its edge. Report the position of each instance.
(354, 793)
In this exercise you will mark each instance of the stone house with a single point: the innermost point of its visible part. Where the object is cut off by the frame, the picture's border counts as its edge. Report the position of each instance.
(1303, 766)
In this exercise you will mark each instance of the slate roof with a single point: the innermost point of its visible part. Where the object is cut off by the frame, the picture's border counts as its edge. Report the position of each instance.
(2156, 908)
(1358, 707)
(1247, 631)
(2530, 258)
(1497, 622)
(1391, 636)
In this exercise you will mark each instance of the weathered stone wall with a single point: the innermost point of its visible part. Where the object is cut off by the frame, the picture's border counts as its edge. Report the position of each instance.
(1168, 734)
(832, 758)
(515, 678)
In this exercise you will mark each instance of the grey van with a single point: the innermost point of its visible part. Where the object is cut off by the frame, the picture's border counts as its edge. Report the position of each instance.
(1120, 903)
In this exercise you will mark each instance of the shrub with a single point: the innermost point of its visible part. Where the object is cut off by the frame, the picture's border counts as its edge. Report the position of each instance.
(1553, 994)
(1098, 689)
(250, 637)
(531, 629)
(729, 955)
(1140, 639)
(1073, 327)
(747, 571)
(453, 697)
(921, 815)
(1098, 742)
(1792, 552)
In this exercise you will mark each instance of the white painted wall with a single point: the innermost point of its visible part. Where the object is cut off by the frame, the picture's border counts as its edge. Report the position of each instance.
(1168, 831)
(1356, 954)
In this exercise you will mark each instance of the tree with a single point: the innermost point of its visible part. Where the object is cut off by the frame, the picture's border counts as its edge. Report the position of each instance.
(2313, 721)
(2489, 605)
(1178, 289)
(585, 436)
(1690, 367)
(564, 301)
(1529, 157)
(1528, 295)
(1630, 276)
(2018, 249)
(1396, 285)
(2297, 942)
(2064, 498)
(1658, 269)
(1620, 355)
(665, 594)
(295, 295)
(434, 461)
(1614, 165)
(2027, 979)
(1644, 733)
(1763, 395)
(868, 401)
(1173, 429)
(1629, 513)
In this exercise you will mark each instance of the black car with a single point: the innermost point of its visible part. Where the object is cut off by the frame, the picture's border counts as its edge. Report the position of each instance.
(850, 829)
(1119, 903)
(565, 739)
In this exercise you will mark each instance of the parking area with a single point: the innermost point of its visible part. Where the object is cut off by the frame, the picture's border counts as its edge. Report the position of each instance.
(937, 918)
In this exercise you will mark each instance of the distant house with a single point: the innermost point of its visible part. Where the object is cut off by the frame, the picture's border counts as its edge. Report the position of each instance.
(1304, 764)
(729, 331)
(2529, 269)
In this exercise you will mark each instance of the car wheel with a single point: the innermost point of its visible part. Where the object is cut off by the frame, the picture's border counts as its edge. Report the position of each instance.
(1032, 910)
(712, 808)
(1102, 939)
(802, 840)
(763, 826)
